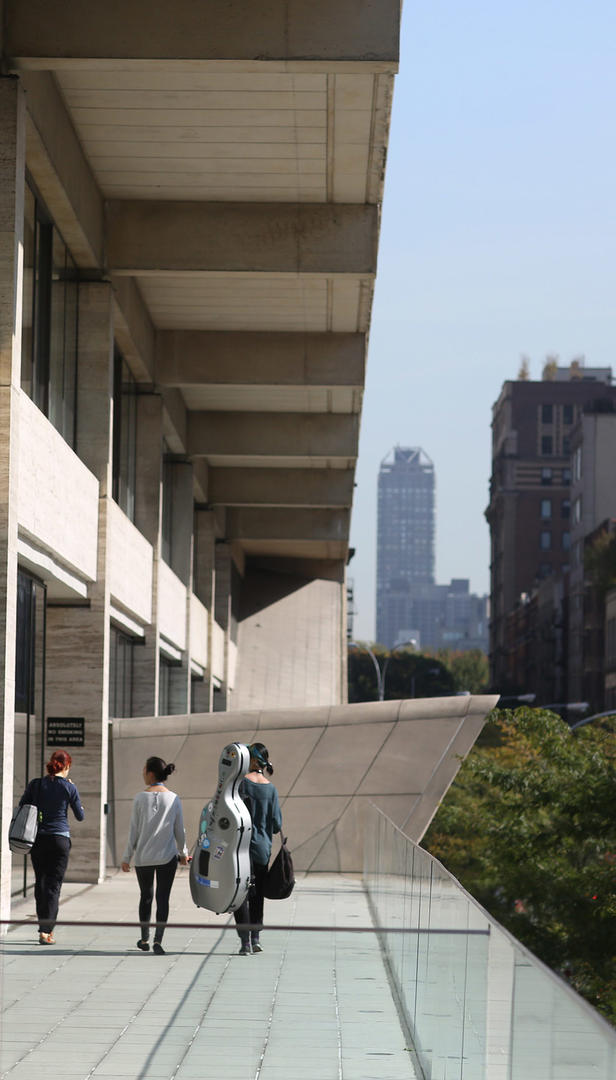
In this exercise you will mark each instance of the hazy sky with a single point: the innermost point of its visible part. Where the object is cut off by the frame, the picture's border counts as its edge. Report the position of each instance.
(498, 239)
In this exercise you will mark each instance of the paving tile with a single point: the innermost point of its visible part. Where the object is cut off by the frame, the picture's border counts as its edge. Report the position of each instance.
(308, 1003)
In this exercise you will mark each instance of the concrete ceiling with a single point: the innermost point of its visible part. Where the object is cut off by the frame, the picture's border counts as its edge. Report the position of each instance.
(181, 153)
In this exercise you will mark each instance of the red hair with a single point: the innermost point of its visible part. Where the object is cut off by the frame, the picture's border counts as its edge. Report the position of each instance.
(58, 762)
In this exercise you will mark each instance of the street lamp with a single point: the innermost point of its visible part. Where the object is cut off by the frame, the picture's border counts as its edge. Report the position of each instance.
(380, 675)
(380, 685)
(401, 645)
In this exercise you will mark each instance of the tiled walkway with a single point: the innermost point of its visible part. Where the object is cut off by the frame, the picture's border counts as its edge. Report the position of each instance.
(312, 1006)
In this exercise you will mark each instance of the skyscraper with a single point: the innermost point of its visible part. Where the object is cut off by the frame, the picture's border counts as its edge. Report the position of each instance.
(405, 540)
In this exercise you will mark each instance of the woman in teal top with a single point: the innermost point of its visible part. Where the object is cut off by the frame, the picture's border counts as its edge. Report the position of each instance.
(261, 798)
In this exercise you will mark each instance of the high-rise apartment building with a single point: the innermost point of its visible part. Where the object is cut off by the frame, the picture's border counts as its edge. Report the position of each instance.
(405, 539)
(530, 488)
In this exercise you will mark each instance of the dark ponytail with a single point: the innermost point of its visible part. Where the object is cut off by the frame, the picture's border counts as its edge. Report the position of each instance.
(261, 754)
(159, 768)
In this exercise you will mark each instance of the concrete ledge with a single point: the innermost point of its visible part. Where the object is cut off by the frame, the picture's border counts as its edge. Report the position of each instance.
(151, 30)
(330, 763)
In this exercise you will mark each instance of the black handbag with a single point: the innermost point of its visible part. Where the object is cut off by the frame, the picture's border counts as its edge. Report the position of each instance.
(280, 878)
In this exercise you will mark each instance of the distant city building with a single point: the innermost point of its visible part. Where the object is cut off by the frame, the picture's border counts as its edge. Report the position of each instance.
(405, 538)
(529, 512)
(593, 508)
(410, 606)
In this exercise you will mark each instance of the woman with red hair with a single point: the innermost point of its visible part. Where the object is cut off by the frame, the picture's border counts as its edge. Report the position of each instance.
(53, 795)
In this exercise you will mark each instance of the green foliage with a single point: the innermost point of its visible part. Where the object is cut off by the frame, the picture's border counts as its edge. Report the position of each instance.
(470, 669)
(529, 828)
(600, 561)
(407, 675)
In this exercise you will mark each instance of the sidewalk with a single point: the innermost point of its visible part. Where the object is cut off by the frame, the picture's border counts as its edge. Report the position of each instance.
(312, 1006)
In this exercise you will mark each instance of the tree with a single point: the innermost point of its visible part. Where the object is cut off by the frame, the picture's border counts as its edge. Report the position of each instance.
(408, 675)
(470, 669)
(600, 561)
(529, 828)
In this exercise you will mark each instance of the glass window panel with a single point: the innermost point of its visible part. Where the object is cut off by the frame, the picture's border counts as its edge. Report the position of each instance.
(56, 331)
(27, 318)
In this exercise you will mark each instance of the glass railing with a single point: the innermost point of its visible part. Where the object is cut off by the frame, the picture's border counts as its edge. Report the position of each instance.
(476, 1003)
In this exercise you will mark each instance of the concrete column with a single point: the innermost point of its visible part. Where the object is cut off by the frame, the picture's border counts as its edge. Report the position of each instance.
(148, 508)
(77, 674)
(12, 171)
(204, 580)
(222, 613)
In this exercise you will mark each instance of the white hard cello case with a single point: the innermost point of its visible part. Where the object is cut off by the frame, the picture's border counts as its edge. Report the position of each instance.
(220, 867)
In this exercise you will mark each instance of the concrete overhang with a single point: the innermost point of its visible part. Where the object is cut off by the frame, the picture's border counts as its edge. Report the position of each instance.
(224, 163)
(51, 33)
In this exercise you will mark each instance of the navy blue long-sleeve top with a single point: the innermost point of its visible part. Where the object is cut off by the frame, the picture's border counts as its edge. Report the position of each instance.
(53, 795)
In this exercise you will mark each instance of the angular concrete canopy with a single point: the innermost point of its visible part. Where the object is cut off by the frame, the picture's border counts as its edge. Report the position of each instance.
(329, 764)
(224, 164)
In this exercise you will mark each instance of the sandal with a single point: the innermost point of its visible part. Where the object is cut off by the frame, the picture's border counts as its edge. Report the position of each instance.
(46, 939)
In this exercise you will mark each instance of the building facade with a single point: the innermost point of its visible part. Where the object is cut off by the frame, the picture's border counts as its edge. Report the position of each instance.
(405, 542)
(593, 508)
(188, 235)
(410, 606)
(529, 512)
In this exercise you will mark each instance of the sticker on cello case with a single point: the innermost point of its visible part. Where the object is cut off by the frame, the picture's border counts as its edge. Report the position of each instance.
(207, 882)
(220, 850)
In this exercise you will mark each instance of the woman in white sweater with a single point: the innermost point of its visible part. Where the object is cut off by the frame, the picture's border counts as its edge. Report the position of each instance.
(157, 841)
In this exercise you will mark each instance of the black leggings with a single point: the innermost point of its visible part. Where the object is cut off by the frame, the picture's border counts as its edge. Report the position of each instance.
(164, 880)
(49, 856)
(251, 910)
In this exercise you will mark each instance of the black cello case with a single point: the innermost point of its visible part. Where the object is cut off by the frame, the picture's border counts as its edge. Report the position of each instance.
(220, 867)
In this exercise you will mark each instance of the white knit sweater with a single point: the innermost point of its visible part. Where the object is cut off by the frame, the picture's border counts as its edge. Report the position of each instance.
(156, 830)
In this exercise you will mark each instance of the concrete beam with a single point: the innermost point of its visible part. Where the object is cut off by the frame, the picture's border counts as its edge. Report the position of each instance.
(281, 487)
(152, 30)
(195, 357)
(151, 236)
(286, 524)
(133, 328)
(174, 420)
(319, 435)
(324, 569)
(60, 170)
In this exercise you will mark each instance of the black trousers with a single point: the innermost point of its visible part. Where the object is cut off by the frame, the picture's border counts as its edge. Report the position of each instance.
(164, 880)
(49, 856)
(251, 911)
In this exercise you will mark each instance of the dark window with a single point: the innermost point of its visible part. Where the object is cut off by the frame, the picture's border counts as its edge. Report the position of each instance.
(546, 477)
(565, 509)
(546, 445)
(566, 541)
(566, 444)
(165, 669)
(49, 320)
(566, 476)
(120, 674)
(568, 414)
(547, 412)
(167, 522)
(546, 508)
(546, 540)
(124, 435)
(545, 570)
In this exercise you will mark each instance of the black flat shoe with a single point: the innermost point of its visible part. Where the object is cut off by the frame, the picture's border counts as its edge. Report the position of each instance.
(144, 946)
(158, 949)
